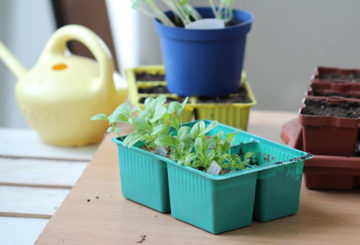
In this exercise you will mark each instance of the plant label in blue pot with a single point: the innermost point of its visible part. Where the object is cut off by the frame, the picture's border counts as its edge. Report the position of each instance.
(204, 62)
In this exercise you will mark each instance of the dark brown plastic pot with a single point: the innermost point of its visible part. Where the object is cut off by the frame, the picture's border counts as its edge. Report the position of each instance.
(329, 135)
(324, 172)
(339, 83)
(333, 90)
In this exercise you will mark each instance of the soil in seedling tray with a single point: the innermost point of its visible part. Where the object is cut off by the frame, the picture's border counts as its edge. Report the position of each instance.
(240, 96)
(168, 100)
(328, 94)
(147, 77)
(154, 90)
(325, 108)
(353, 77)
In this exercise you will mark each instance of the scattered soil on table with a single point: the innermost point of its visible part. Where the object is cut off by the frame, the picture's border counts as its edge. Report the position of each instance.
(240, 96)
(325, 108)
(88, 200)
(352, 77)
(328, 94)
(149, 77)
(142, 239)
(160, 89)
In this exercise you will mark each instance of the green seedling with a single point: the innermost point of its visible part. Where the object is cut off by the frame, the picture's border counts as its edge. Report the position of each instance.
(159, 125)
(183, 11)
(154, 121)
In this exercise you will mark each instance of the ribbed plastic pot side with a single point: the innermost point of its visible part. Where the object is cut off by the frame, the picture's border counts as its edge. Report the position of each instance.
(329, 135)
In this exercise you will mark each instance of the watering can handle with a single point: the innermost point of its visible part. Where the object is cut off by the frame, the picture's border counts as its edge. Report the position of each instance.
(57, 45)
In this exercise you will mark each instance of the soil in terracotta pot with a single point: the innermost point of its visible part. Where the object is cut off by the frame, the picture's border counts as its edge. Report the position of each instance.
(352, 77)
(240, 96)
(154, 90)
(149, 77)
(325, 108)
(328, 94)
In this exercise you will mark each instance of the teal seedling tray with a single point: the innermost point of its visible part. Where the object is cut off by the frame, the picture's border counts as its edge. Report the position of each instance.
(215, 203)
(278, 181)
(226, 202)
(143, 177)
(279, 176)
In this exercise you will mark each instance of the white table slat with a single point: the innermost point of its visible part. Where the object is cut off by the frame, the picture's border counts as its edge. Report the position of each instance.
(20, 231)
(47, 173)
(26, 143)
(30, 202)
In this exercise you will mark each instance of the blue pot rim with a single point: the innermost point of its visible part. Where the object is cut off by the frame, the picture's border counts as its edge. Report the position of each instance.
(181, 33)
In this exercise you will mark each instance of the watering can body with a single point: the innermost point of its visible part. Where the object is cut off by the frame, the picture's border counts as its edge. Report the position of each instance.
(60, 94)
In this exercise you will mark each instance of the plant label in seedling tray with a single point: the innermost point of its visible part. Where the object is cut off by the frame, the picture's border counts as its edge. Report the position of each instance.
(214, 168)
(161, 151)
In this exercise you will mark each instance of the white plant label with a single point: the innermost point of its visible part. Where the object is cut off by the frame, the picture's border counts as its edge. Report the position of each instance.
(206, 24)
(161, 151)
(214, 168)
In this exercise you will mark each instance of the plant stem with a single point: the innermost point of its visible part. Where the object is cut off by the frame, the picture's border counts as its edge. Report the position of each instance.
(176, 12)
(195, 14)
(159, 14)
(213, 8)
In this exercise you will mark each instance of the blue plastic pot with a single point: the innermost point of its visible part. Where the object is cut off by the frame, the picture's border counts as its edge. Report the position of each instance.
(204, 62)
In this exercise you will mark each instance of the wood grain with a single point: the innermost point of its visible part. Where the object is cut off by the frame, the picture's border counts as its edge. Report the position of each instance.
(30, 202)
(325, 217)
(24, 143)
(40, 173)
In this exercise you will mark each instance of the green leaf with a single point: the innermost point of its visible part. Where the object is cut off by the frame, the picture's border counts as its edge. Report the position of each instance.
(230, 136)
(164, 140)
(110, 129)
(100, 116)
(160, 129)
(197, 129)
(139, 123)
(190, 158)
(182, 131)
(159, 113)
(132, 139)
(173, 106)
(198, 145)
(211, 126)
(249, 155)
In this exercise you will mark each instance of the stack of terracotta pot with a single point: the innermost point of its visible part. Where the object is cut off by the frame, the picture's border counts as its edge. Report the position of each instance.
(328, 127)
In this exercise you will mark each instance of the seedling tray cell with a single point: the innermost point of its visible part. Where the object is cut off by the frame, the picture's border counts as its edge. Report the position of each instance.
(143, 177)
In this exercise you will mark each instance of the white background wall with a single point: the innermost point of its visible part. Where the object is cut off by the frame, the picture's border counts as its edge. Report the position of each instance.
(288, 39)
(25, 26)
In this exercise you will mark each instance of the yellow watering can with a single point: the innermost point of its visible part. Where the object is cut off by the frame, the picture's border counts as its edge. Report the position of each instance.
(60, 94)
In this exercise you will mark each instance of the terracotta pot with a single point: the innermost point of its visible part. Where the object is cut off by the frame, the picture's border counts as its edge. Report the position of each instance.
(330, 89)
(329, 135)
(339, 83)
(324, 172)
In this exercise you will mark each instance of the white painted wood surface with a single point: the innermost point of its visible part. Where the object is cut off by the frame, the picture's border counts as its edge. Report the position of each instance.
(35, 178)
(47, 173)
(19, 231)
(31, 201)
(25, 143)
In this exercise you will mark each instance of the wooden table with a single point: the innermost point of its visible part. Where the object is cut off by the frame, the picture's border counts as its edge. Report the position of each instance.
(96, 213)
(34, 180)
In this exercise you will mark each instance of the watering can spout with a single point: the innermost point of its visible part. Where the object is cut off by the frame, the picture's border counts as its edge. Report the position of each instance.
(11, 62)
